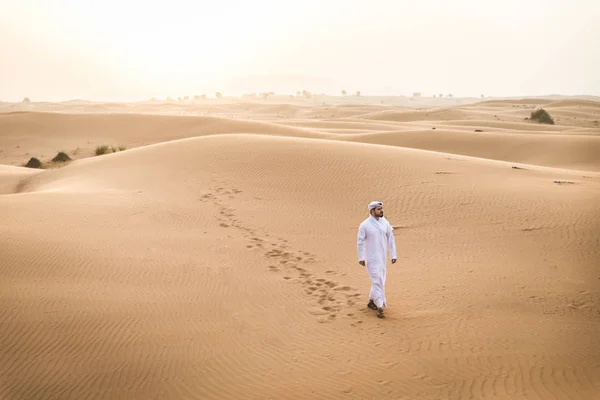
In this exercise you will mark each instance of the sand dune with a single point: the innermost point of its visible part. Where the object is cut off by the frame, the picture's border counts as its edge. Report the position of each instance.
(504, 103)
(521, 127)
(346, 124)
(44, 134)
(574, 152)
(566, 113)
(11, 177)
(410, 116)
(574, 103)
(216, 258)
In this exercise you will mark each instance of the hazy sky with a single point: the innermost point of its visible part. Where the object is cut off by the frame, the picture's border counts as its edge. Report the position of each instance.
(127, 50)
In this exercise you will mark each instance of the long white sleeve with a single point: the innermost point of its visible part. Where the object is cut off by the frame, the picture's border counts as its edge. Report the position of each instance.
(391, 242)
(362, 235)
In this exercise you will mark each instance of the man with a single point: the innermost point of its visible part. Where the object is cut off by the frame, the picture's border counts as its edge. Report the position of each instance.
(375, 237)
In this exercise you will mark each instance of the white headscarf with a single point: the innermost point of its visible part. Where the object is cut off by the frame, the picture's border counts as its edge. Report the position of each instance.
(374, 204)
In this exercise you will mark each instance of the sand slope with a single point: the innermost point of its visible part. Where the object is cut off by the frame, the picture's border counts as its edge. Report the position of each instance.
(43, 135)
(579, 152)
(11, 177)
(224, 266)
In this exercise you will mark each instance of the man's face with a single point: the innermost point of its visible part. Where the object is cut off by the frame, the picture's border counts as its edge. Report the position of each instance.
(378, 211)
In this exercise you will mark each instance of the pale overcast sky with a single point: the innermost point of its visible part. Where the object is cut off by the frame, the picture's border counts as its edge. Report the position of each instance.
(56, 50)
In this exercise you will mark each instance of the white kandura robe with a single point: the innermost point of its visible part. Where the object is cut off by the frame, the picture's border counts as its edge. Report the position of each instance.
(375, 238)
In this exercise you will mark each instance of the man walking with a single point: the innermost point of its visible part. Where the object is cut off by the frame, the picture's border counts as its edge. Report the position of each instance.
(375, 237)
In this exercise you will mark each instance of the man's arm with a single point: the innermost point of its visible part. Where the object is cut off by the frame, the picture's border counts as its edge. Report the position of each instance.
(391, 243)
(362, 236)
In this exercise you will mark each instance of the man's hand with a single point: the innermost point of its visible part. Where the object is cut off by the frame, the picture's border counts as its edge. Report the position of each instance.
(362, 263)
(393, 261)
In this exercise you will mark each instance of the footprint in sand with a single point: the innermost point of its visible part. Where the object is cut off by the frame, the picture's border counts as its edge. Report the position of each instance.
(342, 288)
(326, 319)
(327, 293)
(273, 253)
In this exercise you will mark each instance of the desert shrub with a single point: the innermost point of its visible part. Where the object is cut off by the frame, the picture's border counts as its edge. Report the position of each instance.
(542, 116)
(33, 163)
(121, 148)
(101, 149)
(61, 157)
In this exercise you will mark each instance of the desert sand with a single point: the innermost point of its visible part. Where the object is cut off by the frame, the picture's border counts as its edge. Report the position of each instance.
(215, 257)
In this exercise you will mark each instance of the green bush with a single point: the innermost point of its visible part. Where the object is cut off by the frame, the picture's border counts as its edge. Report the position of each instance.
(542, 116)
(33, 163)
(107, 149)
(61, 157)
(101, 149)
